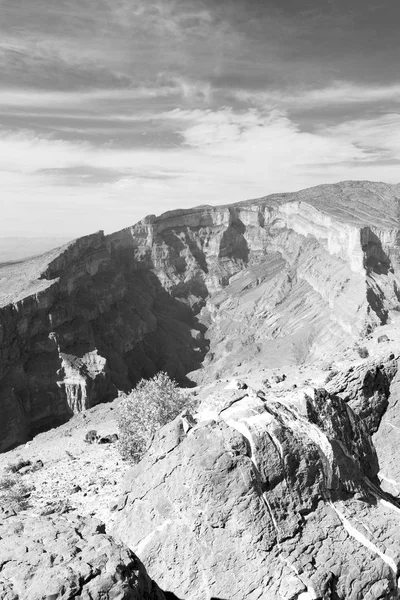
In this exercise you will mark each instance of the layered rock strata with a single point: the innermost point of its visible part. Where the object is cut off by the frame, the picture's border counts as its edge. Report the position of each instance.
(278, 280)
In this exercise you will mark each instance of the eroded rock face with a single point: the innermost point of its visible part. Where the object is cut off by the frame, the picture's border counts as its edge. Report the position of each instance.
(387, 441)
(275, 497)
(272, 281)
(49, 558)
(366, 387)
(98, 324)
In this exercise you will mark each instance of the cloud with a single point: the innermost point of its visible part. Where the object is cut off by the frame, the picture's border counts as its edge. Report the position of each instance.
(379, 137)
(225, 156)
(104, 100)
(212, 141)
(31, 98)
(336, 94)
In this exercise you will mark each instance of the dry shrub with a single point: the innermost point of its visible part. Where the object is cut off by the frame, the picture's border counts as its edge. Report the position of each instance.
(14, 493)
(362, 352)
(152, 404)
(17, 465)
(332, 373)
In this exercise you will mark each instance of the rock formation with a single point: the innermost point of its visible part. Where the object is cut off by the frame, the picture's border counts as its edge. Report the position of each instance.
(290, 492)
(47, 558)
(276, 497)
(277, 280)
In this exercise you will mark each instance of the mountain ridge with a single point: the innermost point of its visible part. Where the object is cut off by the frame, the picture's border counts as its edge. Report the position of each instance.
(191, 292)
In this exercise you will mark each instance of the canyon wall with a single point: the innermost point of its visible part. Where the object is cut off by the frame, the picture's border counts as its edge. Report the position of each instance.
(278, 280)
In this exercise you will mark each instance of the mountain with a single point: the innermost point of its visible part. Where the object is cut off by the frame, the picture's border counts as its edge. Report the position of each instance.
(283, 316)
(278, 280)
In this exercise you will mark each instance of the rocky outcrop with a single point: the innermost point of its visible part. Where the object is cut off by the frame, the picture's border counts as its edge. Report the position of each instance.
(366, 387)
(97, 325)
(44, 558)
(272, 497)
(273, 281)
(387, 441)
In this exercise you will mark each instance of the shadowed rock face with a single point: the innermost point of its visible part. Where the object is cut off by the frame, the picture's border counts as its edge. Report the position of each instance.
(367, 388)
(272, 281)
(276, 497)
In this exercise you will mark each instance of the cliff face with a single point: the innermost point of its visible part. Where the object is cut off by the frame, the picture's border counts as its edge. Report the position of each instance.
(276, 280)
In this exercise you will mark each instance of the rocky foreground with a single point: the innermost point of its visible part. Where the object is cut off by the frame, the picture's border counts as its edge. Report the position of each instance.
(284, 484)
(275, 490)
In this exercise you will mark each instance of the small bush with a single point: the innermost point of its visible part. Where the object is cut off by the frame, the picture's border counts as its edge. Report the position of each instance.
(92, 436)
(16, 466)
(362, 352)
(152, 404)
(14, 493)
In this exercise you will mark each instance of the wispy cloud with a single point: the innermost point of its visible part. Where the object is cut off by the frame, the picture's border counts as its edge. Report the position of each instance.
(336, 94)
(224, 156)
(144, 105)
(91, 98)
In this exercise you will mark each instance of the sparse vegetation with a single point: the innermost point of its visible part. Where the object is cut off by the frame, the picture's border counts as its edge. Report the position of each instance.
(362, 351)
(332, 373)
(17, 465)
(14, 493)
(152, 404)
(91, 436)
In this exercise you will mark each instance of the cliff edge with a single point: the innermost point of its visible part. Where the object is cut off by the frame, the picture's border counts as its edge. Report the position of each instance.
(278, 280)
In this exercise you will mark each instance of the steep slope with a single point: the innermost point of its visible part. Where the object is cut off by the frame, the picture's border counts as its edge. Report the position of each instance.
(272, 281)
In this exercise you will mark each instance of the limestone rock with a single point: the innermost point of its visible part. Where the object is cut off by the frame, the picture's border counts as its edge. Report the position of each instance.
(387, 441)
(277, 497)
(276, 281)
(49, 558)
(366, 387)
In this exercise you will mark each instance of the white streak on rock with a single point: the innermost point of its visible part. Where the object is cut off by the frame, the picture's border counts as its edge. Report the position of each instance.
(389, 505)
(147, 539)
(357, 535)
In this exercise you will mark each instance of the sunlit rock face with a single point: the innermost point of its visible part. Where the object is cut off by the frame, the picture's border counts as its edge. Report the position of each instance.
(279, 280)
(65, 556)
(275, 497)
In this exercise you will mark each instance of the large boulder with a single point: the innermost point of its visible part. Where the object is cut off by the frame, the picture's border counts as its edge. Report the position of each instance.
(276, 497)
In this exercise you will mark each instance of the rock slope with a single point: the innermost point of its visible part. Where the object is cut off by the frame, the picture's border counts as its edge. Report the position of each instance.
(68, 557)
(278, 280)
(280, 493)
(270, 496)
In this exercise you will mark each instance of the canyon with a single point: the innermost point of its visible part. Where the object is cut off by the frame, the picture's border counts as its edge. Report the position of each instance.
(279, 280)
(281, 315)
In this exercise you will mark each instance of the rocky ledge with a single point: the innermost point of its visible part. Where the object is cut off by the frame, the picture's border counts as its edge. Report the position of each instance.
(269, 495)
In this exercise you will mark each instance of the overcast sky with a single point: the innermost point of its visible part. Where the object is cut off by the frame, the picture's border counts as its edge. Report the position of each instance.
(114, 109)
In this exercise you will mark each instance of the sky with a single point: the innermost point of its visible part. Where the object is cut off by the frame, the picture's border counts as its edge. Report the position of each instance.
(114, 109)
